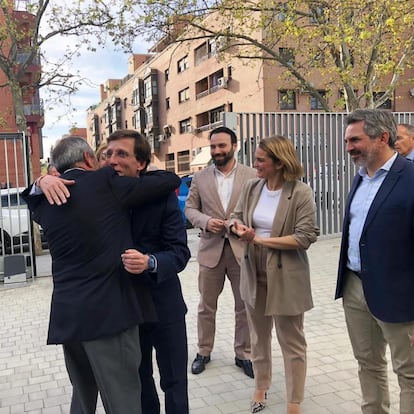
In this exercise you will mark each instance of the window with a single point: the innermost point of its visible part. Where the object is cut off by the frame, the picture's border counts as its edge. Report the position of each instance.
(386, 105)
(182, 64)
(316, 14)
(229, 71)
(185, 126)
(125, 102)
(201, 53)
(167, 74)
(287, 99)
(316, 103)
(184, 95)
(283, 7)
(212, 47)
(149, 115)
(169, 162)
(147, 89)
(183, 158)
(287, 54)
(215, 114)
(167, 104)
(135, 97)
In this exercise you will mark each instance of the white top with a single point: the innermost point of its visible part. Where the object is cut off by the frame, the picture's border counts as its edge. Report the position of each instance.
(225, 185)
(265, 211)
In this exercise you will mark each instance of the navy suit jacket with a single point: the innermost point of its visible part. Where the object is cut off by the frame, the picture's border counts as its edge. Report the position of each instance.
(93, 296)
(158, 228)
(386, 246)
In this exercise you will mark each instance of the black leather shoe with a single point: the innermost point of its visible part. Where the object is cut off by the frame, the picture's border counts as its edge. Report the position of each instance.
(246, 365)
(199, 364)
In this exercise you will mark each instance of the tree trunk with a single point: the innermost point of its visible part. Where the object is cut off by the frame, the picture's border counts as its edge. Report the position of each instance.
(22, 127)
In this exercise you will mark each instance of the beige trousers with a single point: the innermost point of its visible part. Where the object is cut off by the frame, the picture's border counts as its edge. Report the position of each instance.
(369, 338)
(210, 284)
(290, 335)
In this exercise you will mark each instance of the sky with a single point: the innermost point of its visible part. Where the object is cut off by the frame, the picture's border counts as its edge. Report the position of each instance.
(97, 67)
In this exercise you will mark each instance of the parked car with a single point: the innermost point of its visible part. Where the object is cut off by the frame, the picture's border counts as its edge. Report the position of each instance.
(182, 194)
(14, 222)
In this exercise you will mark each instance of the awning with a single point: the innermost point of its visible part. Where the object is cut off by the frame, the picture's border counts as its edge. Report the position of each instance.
(202, 158)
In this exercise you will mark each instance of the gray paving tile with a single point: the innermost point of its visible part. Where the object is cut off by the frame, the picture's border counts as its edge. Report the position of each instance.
(33, 378)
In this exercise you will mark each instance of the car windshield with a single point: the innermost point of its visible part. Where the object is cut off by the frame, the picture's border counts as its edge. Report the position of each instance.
(12, 200)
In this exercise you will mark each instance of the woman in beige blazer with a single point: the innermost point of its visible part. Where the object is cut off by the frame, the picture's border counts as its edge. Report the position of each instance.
(276, 217)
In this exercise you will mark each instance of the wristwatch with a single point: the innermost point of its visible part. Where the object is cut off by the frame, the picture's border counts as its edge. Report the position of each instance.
(151, 263)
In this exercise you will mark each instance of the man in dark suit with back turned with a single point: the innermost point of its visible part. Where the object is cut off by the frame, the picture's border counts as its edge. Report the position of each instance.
(376, 267)
(95, 310)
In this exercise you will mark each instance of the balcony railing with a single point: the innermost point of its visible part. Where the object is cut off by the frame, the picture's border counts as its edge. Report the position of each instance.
(202, 94)
(22, 57)
(213, 89)
(33, 109)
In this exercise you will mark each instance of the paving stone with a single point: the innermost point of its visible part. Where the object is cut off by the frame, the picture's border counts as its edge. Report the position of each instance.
(33, 377)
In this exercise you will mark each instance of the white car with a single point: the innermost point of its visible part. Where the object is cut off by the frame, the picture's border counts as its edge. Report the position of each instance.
(14, 219)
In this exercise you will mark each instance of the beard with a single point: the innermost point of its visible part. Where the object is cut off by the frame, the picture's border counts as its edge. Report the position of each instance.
(223, 159)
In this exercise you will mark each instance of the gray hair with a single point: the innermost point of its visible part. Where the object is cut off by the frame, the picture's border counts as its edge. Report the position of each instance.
(409, 129)
(69, 151)
(376, 121)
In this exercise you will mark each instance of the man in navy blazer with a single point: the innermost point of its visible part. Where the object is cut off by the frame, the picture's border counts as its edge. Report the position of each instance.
(95, 310)
(160, 241)
(376, 266)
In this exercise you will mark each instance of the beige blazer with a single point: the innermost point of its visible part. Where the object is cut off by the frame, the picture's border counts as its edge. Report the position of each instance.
(288, 276)
(203, 203)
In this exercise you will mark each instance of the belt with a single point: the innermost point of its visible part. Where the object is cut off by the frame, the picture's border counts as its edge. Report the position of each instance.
(358, 274)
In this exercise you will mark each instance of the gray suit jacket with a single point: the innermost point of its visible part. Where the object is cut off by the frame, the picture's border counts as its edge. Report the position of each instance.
(203, 203)
(288, 276)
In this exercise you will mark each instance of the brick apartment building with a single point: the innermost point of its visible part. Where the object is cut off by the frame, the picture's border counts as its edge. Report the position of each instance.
(175, 95)
(11, 160)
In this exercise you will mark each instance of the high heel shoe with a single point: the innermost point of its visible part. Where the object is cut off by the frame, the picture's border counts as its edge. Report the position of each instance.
(256, 406)
(293, 408)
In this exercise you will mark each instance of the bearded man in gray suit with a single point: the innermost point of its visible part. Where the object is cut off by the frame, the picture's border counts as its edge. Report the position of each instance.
(213, 195)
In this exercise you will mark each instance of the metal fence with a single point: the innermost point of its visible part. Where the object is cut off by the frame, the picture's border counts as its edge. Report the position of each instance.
(16, 241)
(318, 139)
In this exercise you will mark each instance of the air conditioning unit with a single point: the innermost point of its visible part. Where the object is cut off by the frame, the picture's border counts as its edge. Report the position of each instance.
(167, 130)
(222, 82)
(195, 152)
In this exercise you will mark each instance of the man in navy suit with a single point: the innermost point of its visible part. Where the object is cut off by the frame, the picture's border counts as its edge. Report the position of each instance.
(161, 251)
(95, 310)
(376, 267)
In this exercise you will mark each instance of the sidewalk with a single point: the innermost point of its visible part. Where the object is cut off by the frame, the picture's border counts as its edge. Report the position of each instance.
(33, 377)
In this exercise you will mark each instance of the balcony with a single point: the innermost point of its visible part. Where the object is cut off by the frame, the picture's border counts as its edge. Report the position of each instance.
(222, 83)
(34, 114)
(22, 57)
(208, 127)
(33, 71)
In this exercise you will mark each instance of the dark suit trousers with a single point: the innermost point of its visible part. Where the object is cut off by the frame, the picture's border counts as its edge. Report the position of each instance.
(108, 365)
(169, 339)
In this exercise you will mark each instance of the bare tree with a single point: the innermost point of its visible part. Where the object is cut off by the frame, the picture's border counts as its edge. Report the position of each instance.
(84, 23)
